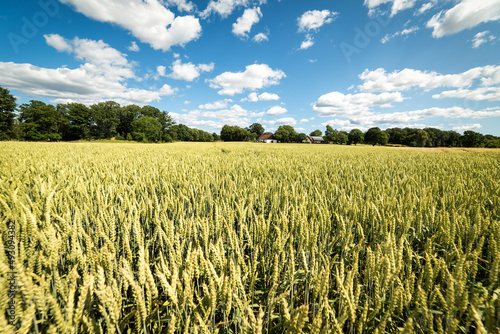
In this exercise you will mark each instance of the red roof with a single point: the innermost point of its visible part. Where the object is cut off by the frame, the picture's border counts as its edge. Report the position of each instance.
(266, 136)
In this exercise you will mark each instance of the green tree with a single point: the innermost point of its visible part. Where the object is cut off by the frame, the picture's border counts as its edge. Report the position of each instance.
(421, 138)
(215, 136)
(104, 119)
(343, 137)
(256, 128)
(382, 138)
(331, 135)
(79, 119)
(355, 136)
(472, 139)
(286, 133)
(233, 133)
(7, 116)
(146, 127)
(371, 136)
(301, 137)
(126, 115)
(316, 133)
(40, 121)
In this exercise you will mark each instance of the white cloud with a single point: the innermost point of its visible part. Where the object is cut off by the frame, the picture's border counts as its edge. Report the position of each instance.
(276, 110)
(336, 104)
(133, 47)
(478, 94)
(397, 5)
(216, 105)
(406, 117)
(222, 7)
(304, 120)
(58, 43)
(255, 76)
(244, 24)
(101, 76)
(182, 5)
(161, 70)
(425, 7)
(307, 43)
(481, 38)
(253, 97)
(282, 121)
(404, 32)
(465, 127)
(188, 71)
(72, 85)
(234, 115)
(260, 37)
(315, 19)
(465, 15)
(149, 21)
(381, 81)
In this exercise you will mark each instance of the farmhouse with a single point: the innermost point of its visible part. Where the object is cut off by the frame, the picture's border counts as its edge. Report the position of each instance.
(267, 138)
(315, 140)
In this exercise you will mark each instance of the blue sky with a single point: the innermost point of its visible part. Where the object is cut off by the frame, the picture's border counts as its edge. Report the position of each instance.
(349, 64)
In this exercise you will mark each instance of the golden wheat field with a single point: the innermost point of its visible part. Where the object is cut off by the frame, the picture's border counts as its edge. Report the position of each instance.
(248, 238)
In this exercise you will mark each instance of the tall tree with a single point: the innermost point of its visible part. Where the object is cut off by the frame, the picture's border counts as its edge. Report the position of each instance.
(7, 116)
(256, 128)
(472, 139)
(79, 119)
(316, 133)
(41, 121)
(371, 136)
(331, 135)
(356, 136)
(104, 119)
(286, 133)
(146, 128)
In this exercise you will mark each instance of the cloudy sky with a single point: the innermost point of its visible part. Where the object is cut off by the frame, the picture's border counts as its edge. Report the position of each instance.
(350, 64)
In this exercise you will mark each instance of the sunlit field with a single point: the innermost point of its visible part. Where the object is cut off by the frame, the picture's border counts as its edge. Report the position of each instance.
(248, 238)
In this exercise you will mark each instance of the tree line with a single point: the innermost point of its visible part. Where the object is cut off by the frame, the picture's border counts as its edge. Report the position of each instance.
(428, 137)
(38, 121)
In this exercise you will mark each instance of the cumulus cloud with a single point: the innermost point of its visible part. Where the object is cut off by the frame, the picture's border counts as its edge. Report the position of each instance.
(260, 37)
(216, 105)
(481, 38)
(254, 77)
(222, 7)
(337, 104)
(244, 24)
(276, 110)
(404, 32)
(315, 19)
(58, 42)
(407, 117)
(182, 5)
(101, 76)
(254, 97)
(149, 21)
(307, 43)
(425, 7)
(233, 115)
(311, 21)
(381, 81)
(133, 47)
(397, 5)
(465, 127)
(188, 71)
(281, 121)
(465, 15)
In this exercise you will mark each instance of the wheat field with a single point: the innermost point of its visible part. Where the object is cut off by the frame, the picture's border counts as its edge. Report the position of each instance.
(248, 238)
